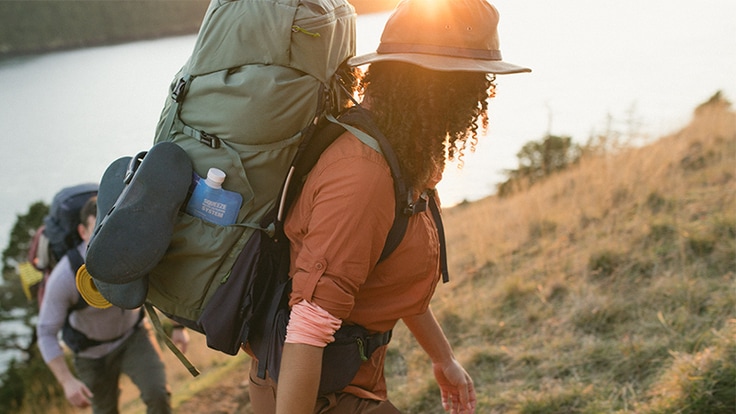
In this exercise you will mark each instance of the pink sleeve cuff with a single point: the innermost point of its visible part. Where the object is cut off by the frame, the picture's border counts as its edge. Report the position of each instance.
(309, 324)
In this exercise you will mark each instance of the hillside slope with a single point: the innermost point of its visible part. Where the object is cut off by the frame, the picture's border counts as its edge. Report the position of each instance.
(576, 295)
(610, 287)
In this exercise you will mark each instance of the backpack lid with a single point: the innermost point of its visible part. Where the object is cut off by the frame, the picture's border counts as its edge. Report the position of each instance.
(314, 36)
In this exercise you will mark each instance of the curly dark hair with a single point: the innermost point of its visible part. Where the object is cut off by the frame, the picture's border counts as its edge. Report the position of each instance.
(428, 116)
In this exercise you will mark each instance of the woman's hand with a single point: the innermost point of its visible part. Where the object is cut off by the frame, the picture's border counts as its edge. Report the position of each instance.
(456, 387)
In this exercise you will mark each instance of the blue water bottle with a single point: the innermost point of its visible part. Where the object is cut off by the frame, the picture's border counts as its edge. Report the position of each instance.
(211, 202)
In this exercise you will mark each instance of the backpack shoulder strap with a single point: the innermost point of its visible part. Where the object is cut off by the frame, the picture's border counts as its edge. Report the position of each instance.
(357, 121)
(360, 123)
(74, 338)
(75, 262)
(435, 210)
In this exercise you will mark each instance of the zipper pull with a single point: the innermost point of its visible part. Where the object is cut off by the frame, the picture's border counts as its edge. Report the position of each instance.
(296, 28)
(361, 349)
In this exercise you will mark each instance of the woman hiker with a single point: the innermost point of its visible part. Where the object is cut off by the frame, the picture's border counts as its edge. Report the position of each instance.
(426, 89)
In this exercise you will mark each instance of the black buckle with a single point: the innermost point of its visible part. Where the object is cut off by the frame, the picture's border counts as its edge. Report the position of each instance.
(210, 140)
(177, 91)
(414, 208)
(133, 165)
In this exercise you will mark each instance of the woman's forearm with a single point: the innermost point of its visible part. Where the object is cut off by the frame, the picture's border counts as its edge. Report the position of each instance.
(299, 377)
(430, 336)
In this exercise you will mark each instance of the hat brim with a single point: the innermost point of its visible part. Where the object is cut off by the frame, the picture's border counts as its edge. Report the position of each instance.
(441, 63)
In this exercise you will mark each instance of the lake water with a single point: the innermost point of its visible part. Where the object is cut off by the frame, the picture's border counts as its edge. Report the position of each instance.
(65, 116)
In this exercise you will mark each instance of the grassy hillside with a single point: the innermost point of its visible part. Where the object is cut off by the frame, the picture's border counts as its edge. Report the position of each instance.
(610, 287)
(38, 26)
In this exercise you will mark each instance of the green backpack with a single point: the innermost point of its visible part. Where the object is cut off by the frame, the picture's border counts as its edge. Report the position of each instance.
(259, 99)
(261, 73)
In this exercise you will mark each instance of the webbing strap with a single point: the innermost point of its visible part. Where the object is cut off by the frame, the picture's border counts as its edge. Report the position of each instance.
(411, 207)
(203, 137)
(169, 343)
(403, 194)
(362, 136)
(435, 210)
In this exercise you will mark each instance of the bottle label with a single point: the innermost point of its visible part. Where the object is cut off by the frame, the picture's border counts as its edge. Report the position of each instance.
(213, 208)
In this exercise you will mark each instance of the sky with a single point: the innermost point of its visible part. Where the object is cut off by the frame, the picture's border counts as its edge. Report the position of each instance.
(643, 64)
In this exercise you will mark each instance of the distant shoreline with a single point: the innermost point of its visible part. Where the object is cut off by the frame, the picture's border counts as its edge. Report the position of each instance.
(29, 28)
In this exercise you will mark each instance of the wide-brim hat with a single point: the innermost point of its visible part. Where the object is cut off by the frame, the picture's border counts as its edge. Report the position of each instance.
(444, 35)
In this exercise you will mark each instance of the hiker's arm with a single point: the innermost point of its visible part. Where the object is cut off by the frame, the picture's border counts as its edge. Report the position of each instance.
(61, 293)
(456, 386)
(75, 391)
(309, 330)
(299, 376)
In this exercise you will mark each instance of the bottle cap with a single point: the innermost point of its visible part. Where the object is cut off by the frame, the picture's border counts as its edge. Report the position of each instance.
(215, 177)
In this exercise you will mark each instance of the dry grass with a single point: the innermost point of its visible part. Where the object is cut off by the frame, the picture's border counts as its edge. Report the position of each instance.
(574, 296)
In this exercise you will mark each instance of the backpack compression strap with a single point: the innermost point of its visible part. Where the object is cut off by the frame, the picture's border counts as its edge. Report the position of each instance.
(169, 343)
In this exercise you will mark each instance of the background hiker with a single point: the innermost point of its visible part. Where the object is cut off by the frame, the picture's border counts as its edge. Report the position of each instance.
(105, 342)
(427, 89)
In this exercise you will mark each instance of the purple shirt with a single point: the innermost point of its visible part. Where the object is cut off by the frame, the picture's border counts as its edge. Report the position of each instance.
(100, 324)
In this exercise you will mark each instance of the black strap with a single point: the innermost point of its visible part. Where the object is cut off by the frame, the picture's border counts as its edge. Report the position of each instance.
(75, 262)
(326, 133)
(178, 91)
(74, 338)
(435, 210)
(78, 341)
(405, 205)
(361, 119)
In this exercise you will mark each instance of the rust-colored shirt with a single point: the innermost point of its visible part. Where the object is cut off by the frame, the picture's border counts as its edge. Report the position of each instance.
(338, 227)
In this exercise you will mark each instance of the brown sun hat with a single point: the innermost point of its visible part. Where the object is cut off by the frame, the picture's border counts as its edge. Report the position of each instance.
(445, 35)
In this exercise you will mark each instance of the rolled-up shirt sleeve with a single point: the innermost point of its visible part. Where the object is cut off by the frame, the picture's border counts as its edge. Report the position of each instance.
(339, 224)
